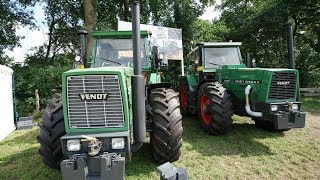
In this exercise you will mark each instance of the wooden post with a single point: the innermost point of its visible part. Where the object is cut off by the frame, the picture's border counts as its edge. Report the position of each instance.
(36, 93)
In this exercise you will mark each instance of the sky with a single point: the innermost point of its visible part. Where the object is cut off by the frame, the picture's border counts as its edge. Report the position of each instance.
(34, 38)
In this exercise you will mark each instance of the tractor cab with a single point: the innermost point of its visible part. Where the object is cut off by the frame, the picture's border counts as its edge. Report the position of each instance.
(116, 49)
(208, 57)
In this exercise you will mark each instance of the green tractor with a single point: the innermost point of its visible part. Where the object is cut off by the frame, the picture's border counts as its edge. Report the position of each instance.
(104, 111)
(218, 85)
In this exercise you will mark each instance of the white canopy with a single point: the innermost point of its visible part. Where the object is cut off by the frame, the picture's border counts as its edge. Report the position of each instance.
(6, 103)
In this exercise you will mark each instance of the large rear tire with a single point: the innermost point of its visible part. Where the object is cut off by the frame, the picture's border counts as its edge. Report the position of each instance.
(51, 130)
(215, 108)
(166, 136)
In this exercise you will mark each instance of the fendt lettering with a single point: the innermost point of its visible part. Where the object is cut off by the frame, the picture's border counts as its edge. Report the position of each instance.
(283, 83)
(94, 96)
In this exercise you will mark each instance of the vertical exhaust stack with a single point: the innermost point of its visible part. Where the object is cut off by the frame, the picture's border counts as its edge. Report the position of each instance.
(83, 40)
(138, 83)
(248, 60)
(290, 45)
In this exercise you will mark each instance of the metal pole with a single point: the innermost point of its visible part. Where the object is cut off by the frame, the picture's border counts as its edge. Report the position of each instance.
(136, 37)
(83, 39)
(248, 61)
(138, 83)
(290, 45)
(182, 67)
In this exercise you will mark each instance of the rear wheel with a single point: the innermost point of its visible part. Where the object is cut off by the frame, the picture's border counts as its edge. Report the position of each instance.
(188, 100)
(51, 130)
(166, 136)
(215, 108)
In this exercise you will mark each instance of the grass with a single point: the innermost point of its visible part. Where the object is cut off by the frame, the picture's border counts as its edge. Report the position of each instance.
(311, 104)
(244, 153)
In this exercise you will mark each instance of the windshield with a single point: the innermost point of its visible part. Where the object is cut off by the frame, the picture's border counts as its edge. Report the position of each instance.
(216, 57)
(116, 52)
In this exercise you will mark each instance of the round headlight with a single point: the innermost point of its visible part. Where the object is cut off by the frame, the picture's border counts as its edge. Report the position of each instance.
(73, 145)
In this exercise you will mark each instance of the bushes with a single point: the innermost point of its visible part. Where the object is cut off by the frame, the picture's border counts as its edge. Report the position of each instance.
(41, 75)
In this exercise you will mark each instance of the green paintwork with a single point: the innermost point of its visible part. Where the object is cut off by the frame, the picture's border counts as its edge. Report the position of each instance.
(154, 78)
(116, 34)
(192, 80)
(227, 74)
(124, 74)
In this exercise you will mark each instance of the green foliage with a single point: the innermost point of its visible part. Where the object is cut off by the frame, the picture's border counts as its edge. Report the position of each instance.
(36, 74)
(205, 31)
(260, 25)
(311, 104)
(13, 14)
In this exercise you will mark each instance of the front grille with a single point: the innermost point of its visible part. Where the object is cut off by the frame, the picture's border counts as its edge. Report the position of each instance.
(283, 86)
(94, 113)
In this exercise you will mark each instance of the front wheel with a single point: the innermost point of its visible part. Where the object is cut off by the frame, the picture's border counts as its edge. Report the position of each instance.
(51, 130)
(215, 108)
(166, 136)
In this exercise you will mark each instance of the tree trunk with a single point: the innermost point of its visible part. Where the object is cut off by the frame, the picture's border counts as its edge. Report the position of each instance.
(89, 22)
(36, 93)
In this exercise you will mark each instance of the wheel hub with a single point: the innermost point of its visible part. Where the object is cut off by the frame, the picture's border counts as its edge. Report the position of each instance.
(183, 97)
(205, 114)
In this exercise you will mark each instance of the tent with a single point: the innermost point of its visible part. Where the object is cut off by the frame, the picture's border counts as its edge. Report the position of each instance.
(7, 122)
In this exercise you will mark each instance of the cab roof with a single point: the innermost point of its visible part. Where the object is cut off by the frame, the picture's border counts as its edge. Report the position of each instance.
(219, 44)
(117, 34)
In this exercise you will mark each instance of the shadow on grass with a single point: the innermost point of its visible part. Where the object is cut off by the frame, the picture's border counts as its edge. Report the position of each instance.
(241, 140)
(142, 163)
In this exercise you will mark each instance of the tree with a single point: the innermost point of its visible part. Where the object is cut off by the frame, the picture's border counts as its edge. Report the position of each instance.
(260, 25)
(13, 15)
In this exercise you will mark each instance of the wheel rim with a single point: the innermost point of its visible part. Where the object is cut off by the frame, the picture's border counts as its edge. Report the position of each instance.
(183, 98)
(204, 112)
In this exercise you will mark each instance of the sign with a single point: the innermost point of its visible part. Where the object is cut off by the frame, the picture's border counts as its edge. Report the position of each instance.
(169, 40)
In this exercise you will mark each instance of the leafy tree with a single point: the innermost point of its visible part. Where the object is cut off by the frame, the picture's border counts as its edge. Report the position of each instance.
(260, 25)
(13, 14)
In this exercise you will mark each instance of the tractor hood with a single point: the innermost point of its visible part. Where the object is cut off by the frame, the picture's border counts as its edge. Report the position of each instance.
(263, 82)
(125, 71)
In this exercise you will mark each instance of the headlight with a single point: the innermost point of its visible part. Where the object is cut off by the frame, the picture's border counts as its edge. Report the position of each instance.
(295, 107)
(274, 107)
(73, 145)
(117, 143)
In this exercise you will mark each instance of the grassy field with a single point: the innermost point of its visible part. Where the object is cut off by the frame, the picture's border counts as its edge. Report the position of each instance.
(244, 153)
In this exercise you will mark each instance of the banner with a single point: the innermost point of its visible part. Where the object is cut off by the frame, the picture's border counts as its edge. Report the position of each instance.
(169, 40)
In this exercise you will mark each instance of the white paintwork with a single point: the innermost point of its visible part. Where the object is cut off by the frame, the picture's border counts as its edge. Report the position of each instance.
(6, 102)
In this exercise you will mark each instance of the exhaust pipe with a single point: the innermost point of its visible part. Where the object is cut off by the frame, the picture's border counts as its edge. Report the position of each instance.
(83, 40)
(290, 45)
(138, 83)
(248, 110)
